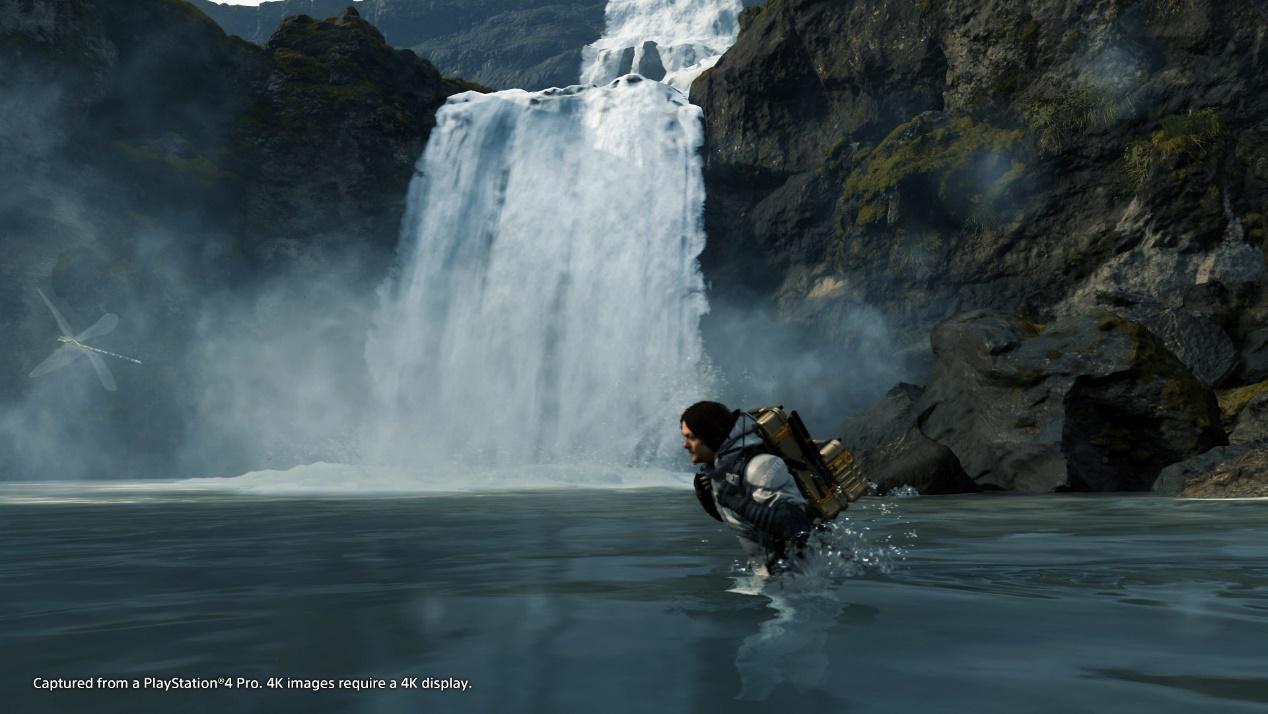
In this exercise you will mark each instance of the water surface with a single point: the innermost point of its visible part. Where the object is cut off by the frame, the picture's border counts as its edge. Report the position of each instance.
(630, 601)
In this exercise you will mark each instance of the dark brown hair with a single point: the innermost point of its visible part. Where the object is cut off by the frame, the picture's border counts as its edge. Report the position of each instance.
(711, 422)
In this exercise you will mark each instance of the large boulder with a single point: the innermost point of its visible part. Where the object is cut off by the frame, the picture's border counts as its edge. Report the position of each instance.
(1195, 339)
(1253, 360)
(916, 461)
(1225, 472)
(884, 422)
(1251, 426)
(1245, 412)
(1092, 403)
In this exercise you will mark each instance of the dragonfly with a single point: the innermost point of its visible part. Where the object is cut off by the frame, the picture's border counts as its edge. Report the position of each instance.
(73, 346)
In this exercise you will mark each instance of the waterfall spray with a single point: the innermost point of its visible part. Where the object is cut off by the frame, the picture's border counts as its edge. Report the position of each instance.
(548, 300)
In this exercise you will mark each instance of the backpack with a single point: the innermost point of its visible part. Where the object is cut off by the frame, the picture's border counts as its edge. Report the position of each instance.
(825, 471)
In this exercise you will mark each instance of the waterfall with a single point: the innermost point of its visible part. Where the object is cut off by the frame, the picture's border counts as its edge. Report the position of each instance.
(547, 301)
(671, 41)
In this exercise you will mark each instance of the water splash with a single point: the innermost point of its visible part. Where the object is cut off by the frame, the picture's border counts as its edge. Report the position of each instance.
(790, 647)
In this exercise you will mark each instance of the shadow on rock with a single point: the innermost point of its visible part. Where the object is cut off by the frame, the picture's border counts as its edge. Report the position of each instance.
(1087, 403)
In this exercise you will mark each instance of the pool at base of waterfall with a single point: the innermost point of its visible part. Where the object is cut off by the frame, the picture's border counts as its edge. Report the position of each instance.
(619, 600)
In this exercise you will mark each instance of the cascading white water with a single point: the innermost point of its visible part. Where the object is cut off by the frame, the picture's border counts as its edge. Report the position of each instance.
(548, 300)
(672, 41)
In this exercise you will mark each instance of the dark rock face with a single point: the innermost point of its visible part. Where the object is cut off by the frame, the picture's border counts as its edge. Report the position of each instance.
(1081, 404)
(917, 461)
(531, 44)
(153, 167)
(1195, 339)
(1228, 472)
(372, 108)
(317, 133)
(1171, 480)
(1251, 424)
(1253, 365)
(885, 421)
(934, 158)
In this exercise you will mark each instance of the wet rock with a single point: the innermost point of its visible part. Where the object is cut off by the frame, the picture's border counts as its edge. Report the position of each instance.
(1087, 403)
(1251, 423)
(650, 65)
(1197, 342)
(959, 155)
(1253, 365)
(884, 422)
(1226, 472)
(916, 461)
(1193, 338)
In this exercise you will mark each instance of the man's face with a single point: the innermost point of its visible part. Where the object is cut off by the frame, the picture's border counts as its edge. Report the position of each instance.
(700, 453)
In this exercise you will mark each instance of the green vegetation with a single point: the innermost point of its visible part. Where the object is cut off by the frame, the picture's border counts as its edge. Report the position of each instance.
(193, 15)
(1030, 329)
(1061, 115)
(196, 167)
(1233, 401)
(299, 66)
(748, 15)
(1253, 223)
(457, 84)
(1158, 7)
(68, 49)
(1028, 32)
(363, 91)
(1180, 393)
(1023, 378)
(1193, 134)
(915, 148)
(985, 208)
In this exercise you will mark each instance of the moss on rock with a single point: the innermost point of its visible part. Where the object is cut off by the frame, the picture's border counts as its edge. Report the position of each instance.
(922, 147)
(1059, 115)
(197, 168)
(458, 84)
(1233, 401)
(1193, 134)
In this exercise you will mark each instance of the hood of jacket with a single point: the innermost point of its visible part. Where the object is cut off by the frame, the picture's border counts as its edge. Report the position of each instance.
(744, 440)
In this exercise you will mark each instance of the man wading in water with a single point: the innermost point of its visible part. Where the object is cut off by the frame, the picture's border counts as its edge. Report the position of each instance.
(744, 485)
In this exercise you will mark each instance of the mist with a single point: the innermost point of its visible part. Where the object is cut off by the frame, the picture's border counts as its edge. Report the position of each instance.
(126, 191)
(825, 368)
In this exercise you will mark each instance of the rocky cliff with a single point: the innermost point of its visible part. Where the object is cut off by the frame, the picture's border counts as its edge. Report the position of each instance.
(937, 156)
(530, 44)
(1043, 159)
(153, 167)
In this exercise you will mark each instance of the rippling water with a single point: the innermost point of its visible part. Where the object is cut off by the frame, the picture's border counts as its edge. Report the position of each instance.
(631, 601)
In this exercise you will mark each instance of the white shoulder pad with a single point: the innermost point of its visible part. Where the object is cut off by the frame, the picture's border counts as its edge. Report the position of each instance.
(767, 471)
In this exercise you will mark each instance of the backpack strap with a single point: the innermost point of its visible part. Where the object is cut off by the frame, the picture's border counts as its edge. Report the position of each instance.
(704, 494)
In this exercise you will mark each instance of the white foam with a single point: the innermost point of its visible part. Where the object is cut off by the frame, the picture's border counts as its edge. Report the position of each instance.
(549, 303)
(687, 37)
(326, 479)
(351, 479)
